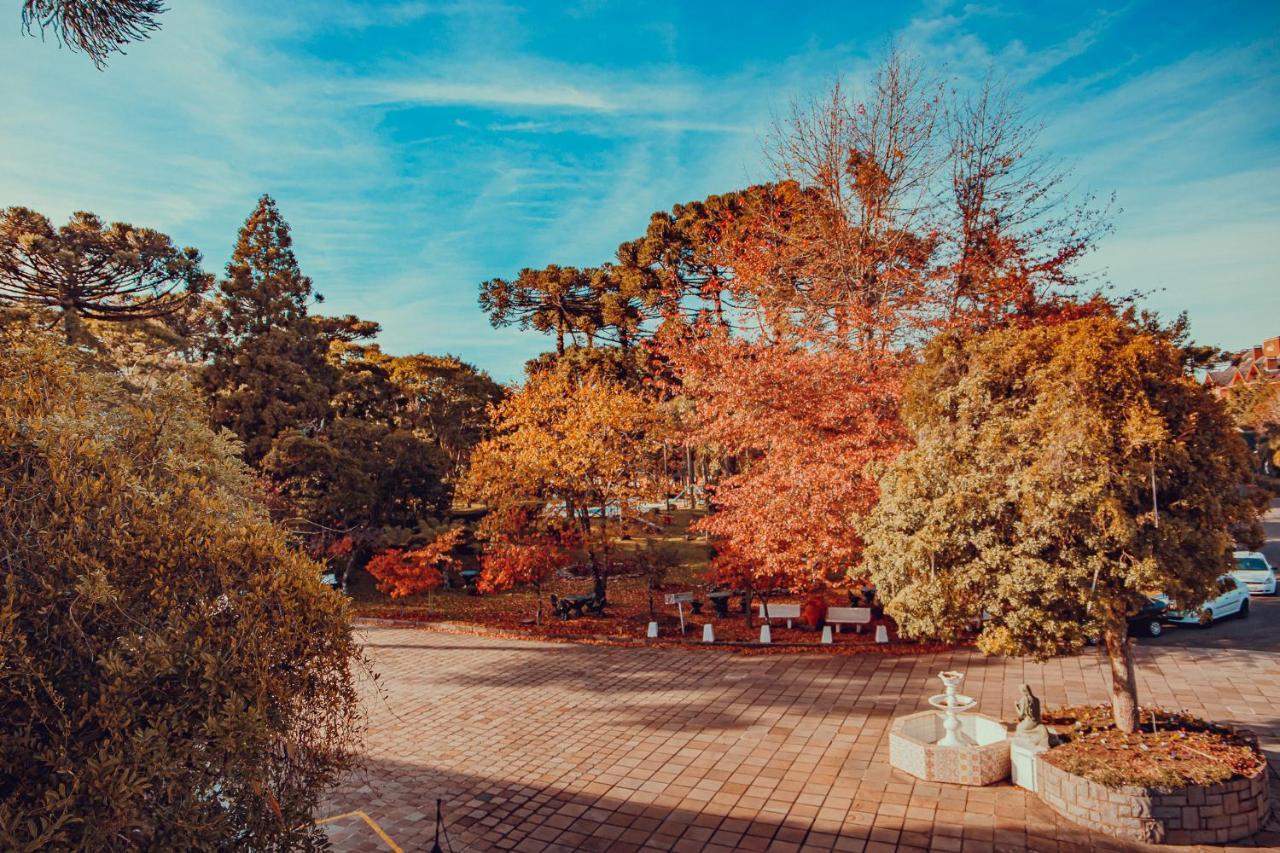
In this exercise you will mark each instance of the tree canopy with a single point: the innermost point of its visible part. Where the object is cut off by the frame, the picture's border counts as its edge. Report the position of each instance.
(1061, 474)
(89, 270)
(582, 446)
(99, 28)
(174, 675)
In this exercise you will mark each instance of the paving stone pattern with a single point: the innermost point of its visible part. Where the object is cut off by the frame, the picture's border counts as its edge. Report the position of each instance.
(543, 746)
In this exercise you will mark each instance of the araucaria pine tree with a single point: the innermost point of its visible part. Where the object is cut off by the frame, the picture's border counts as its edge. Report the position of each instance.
(268, 371)
(89, 270)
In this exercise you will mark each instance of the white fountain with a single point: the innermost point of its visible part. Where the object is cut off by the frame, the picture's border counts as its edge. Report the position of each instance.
(952, 704)
(942, 746)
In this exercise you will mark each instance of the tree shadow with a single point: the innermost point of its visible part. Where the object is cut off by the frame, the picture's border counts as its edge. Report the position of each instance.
(517, 741)
(744, 690)
(517, 810)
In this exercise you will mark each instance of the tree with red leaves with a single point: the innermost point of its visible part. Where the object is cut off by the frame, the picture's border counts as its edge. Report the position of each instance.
(524, 550)
(892, 219)
(401, 572)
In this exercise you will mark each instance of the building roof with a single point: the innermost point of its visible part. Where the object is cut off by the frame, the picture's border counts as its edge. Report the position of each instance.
(1259, 363)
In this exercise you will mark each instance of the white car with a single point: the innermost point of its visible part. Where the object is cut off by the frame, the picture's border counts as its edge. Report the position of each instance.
(1253, 570)
(1233, 599)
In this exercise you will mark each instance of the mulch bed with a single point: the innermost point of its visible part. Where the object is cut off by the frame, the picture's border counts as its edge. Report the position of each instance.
(1169, 750)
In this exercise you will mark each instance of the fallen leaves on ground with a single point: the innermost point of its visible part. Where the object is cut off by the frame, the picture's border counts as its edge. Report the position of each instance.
(510, 615)
(1169, 750)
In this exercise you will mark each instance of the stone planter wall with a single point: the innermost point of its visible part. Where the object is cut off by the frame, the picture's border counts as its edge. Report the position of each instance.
(1205, 814)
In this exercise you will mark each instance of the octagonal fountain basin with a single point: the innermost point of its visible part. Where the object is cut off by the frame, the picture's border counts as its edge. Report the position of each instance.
(982, 758)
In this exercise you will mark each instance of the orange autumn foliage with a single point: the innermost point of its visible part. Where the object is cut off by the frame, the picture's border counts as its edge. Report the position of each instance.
(891, 219)
(581, 448)
(524, 551)
(402, 572)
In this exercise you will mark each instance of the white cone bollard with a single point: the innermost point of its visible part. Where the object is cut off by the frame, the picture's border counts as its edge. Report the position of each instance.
(826, 634)
(708, 633)
(765, 637)
(882, 634)
(653, 630)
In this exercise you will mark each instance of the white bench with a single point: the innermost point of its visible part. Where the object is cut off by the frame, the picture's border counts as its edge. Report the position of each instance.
(781, 611)
(840, 616)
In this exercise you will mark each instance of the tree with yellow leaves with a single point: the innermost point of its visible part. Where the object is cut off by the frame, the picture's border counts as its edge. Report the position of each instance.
(581, 445)
(173, 674)
(1060, 475)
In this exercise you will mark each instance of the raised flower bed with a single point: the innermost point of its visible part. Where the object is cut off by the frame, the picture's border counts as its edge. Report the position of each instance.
(1177, 781)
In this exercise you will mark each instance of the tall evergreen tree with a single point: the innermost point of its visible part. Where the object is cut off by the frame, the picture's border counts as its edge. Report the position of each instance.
(88, 270)
(268, 372)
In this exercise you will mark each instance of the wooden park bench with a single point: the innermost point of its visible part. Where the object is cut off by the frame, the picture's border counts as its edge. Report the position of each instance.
(577, 604)
(780, 611)
(841, 616)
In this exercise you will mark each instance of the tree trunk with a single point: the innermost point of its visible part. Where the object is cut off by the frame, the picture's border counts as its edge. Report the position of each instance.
(706, 478)
(348, 565)
(1124, 686)
(666, 476)
(688, 476)
(593, 559)
(72, 325)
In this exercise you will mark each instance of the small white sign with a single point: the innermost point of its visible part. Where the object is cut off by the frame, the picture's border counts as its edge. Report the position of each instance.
(679, 597)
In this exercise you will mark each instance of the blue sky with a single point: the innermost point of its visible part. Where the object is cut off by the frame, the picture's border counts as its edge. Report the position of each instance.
(418, 148)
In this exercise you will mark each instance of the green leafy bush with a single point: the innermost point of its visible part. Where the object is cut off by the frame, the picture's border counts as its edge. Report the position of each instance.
(172, 674)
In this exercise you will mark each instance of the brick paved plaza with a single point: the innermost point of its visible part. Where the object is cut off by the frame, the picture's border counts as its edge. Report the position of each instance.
(542, 746)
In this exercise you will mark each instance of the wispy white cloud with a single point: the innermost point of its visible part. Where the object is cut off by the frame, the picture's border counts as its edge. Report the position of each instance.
(523, 84)
(461, 92)
(411, 176)
(946, 34)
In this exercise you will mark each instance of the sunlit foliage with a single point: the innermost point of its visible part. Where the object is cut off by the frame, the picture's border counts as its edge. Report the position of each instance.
(173, 674)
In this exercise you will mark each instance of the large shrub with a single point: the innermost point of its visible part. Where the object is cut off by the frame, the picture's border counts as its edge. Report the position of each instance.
(172, 674)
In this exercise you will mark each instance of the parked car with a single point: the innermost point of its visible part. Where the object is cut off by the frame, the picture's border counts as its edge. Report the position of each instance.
(1253, 570)
(1232, 600)
(1149, 621)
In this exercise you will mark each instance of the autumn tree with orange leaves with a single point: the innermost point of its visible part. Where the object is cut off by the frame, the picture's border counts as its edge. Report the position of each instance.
(582, 447)
(894, 216)
(402, 572)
